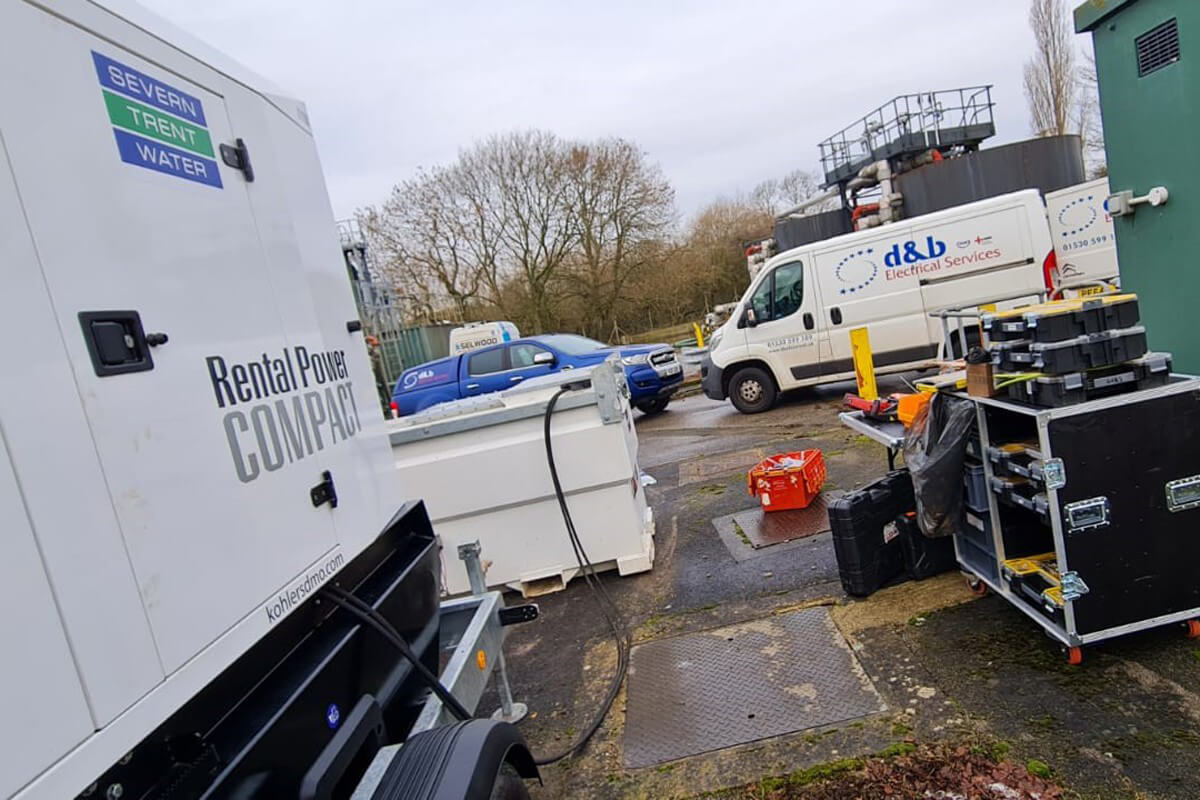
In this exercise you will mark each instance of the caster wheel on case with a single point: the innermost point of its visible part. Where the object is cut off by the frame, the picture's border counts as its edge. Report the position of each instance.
(1193, 628)
(976, 585)
(1074, 655)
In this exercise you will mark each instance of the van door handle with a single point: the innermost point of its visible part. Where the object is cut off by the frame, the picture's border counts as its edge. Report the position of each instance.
(808, 321)
(835, 315)
(472, 385)
(516, 378)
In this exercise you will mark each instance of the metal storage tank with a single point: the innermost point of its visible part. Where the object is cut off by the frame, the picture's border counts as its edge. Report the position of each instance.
(1045, 164)
(794, 231)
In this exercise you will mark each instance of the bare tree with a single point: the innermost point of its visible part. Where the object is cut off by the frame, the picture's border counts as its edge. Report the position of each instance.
(1091, 128)
(533, 191)
(424, 235)
(774, 196)
(1050, 80)
(621, 203)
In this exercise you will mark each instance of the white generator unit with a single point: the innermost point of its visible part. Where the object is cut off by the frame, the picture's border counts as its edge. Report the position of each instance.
(191, 445)
(480, 465)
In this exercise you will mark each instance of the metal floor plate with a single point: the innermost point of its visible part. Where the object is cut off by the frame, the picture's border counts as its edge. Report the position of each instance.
(728, 686)
(763, 529)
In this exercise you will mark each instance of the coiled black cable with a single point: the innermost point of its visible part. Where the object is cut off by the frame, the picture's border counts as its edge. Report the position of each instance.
(608, 609)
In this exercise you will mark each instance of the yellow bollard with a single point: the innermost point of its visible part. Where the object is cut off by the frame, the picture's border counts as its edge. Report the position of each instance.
(864, 366)
(699, 334)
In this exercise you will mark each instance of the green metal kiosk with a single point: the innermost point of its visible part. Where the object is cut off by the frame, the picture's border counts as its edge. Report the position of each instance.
(1150, 107)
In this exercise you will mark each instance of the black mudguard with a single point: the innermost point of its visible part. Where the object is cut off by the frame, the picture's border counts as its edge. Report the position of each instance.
(455, 762)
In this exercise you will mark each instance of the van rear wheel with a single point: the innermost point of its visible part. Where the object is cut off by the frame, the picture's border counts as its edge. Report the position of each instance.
(752, 390)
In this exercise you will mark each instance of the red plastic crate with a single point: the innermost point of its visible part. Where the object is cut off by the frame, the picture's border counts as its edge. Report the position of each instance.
(787, 480)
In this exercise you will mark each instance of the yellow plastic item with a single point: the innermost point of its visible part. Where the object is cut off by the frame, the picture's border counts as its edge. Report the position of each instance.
(1060, 306)
(864, 366)
(1044, 566)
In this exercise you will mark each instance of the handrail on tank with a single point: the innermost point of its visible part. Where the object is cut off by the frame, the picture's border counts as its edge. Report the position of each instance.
(904, 116)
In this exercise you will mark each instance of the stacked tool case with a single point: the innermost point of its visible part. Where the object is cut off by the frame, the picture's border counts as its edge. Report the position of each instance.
(876, 538)
(1091, 510)
(1069, 351)
(1082, 486)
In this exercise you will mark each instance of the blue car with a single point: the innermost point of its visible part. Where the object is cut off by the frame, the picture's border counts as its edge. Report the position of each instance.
(652, 371)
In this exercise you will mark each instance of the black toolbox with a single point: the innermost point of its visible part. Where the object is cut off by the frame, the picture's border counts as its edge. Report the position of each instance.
(1052, 391)
(1020, 492)
(866, 541)
(923, 557)
(1062, 319)
(1095, 350)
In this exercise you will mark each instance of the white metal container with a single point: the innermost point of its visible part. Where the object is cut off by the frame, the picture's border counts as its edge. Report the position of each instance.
(480, 465)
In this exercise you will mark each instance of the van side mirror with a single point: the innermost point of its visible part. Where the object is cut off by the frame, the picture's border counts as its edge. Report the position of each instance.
(543, 358)
(748, 320)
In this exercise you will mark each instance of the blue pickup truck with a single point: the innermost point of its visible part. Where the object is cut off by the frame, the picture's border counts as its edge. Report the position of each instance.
(652, 371)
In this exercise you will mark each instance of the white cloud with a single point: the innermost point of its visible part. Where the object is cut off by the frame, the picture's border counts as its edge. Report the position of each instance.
(723, 95)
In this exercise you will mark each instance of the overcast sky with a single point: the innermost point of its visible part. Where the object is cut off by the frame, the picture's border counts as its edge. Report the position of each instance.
(721, 93)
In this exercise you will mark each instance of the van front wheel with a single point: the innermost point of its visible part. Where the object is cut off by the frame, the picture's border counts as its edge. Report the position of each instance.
(752, 390)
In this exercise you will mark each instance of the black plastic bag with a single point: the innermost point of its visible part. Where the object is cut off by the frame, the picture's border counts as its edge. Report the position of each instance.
(934, 451)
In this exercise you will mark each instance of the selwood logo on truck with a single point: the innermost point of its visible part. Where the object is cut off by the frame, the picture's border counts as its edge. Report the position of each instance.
(791, 327)
(208, 558)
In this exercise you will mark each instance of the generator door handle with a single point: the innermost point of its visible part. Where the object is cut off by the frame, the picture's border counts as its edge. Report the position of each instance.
(835, 315)
(808, 321)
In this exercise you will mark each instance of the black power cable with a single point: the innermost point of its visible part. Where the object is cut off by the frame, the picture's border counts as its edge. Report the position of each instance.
(381, 625)
(608, 609)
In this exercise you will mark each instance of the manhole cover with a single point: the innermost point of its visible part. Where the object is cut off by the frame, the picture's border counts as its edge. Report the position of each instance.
(728, 686)
(763, 529)
(721, 464)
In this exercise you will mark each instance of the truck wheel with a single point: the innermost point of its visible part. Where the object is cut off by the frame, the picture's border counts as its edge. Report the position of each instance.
(509, 786)
(654, 406)
(752, 390)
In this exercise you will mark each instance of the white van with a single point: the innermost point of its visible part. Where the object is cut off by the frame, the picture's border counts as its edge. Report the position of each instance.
(1082, 231)
(792, 326)
(475, 335)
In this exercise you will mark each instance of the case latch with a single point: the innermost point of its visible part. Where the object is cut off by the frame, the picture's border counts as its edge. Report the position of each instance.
(1083, 515)
(1054, 473)
(1073, 586)
(1183, 493)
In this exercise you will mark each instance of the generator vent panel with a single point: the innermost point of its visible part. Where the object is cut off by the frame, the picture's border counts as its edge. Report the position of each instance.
(1157, 47)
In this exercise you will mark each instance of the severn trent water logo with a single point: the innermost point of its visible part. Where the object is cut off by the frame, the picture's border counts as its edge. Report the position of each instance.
(156, 125)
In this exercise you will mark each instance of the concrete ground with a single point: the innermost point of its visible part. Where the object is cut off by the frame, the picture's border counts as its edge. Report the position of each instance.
(950, 667)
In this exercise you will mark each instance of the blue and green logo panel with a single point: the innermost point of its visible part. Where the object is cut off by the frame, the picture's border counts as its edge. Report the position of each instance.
(157, 126)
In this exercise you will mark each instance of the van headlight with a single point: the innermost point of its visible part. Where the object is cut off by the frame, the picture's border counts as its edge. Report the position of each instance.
(633, 361)
(714, 340)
